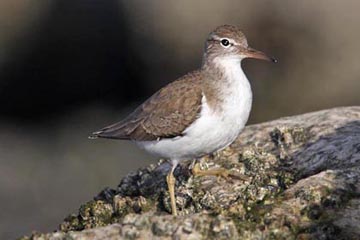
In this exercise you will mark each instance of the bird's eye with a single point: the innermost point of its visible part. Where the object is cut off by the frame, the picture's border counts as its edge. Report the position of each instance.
(225, 42)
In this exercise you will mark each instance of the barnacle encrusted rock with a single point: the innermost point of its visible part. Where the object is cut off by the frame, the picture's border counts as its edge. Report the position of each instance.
(292, 178)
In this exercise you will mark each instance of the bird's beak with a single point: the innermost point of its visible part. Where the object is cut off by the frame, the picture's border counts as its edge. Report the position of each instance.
(253, 53)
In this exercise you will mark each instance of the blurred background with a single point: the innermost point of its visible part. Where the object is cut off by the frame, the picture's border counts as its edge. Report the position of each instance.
(68, 68)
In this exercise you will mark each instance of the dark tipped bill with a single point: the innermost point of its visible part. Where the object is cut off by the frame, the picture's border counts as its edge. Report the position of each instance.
(253, 53)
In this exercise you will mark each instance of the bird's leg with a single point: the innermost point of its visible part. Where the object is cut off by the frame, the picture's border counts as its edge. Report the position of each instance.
(219, 172)
(170, 179)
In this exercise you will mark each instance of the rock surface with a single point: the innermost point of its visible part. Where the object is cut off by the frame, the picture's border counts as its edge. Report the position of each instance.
(293, 178)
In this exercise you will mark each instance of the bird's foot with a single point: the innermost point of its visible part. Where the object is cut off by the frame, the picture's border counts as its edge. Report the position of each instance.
(218, 172)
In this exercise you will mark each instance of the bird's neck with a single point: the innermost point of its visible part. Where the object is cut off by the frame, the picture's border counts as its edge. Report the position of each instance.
(224, 79)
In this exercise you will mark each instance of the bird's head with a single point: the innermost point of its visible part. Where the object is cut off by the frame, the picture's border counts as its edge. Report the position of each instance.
(228, 41)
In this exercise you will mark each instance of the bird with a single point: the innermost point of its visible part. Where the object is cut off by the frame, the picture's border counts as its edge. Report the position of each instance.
(199, 113)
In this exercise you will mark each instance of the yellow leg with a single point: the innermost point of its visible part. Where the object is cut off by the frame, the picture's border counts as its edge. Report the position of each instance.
(219, 172)
(170, 179)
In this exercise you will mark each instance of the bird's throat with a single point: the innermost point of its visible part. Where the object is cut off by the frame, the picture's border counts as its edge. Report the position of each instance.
(225, 83)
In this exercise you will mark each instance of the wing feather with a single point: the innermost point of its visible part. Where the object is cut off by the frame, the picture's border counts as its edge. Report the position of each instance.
(166, 114)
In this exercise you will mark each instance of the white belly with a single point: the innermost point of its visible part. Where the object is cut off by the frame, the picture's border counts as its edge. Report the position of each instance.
(212, 131)
(208, 134)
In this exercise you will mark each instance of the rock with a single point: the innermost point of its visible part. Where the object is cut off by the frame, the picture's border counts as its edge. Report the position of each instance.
(293, 178)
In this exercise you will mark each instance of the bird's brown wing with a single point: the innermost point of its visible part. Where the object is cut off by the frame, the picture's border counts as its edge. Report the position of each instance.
(166, 114)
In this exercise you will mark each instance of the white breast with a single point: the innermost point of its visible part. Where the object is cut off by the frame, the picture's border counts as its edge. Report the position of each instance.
(212, 131)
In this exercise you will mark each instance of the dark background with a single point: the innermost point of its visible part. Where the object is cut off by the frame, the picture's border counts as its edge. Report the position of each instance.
(68, 68)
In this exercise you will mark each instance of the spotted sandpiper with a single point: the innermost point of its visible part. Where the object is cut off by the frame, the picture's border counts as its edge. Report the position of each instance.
(200, 113)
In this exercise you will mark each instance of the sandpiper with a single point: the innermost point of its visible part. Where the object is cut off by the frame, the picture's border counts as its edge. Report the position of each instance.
(200, 113)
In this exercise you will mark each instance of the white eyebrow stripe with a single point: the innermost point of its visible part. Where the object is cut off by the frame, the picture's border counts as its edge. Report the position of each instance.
(216, 37)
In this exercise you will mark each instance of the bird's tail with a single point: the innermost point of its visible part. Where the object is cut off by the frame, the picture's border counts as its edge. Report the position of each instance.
(95, 135)
(115, 131)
